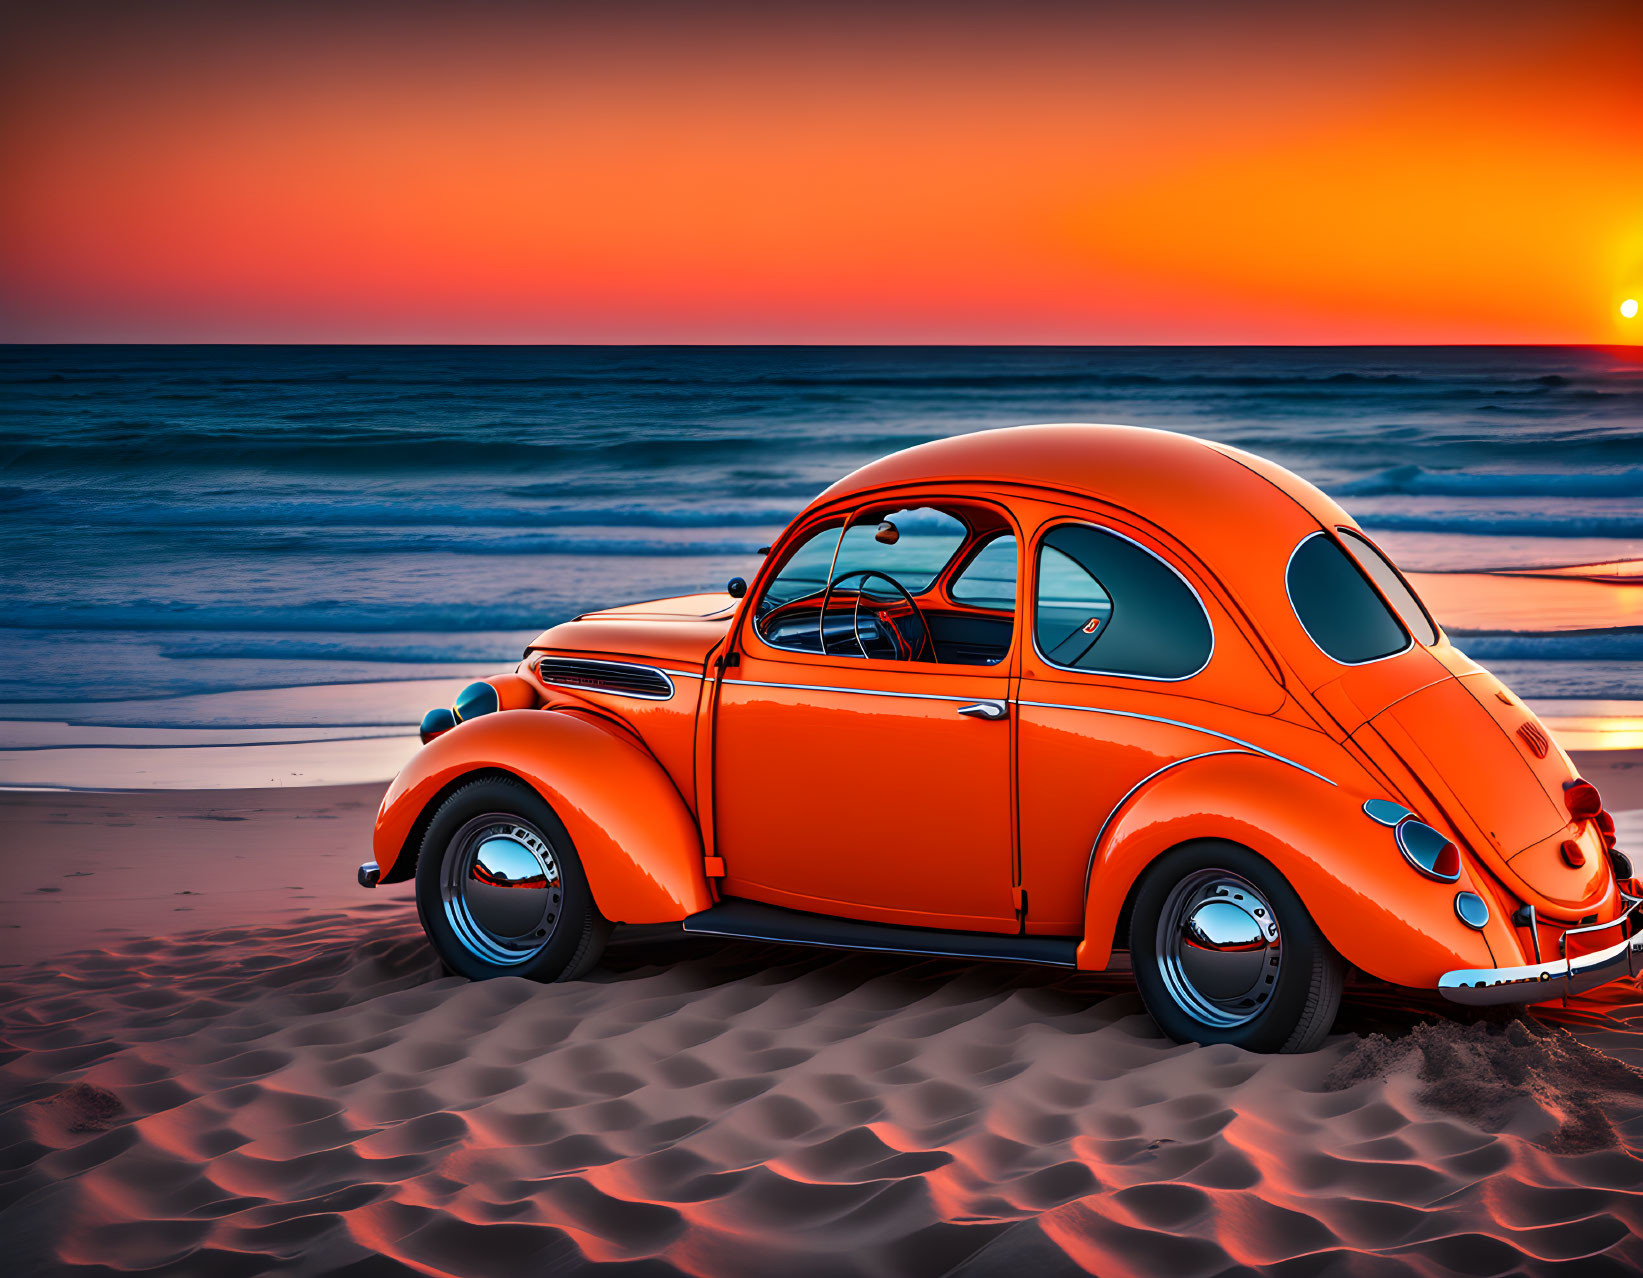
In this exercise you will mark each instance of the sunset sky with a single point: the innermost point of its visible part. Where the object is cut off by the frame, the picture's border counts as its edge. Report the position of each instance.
(820, 173)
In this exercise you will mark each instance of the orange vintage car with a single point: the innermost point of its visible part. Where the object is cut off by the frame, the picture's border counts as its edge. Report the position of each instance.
(1048, 695)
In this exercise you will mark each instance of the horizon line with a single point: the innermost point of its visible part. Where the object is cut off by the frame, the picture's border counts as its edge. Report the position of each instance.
(1230, 345)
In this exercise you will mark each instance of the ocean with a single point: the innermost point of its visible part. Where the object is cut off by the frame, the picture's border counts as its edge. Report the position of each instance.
(182, 527)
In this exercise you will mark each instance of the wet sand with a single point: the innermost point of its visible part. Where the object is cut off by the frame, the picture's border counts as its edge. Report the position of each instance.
(80, 870)
(218, 1055)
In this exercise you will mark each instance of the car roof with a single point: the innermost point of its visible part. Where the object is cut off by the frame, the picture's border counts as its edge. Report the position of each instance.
(1129, 465)
(1240, 515)
(1163, 476)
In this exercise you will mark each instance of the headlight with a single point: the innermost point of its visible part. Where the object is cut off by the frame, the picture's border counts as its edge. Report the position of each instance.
(474, 700)
(436, 721)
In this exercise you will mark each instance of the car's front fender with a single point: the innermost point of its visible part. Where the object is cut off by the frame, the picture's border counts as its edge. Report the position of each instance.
(638, 843)
(1374, 908)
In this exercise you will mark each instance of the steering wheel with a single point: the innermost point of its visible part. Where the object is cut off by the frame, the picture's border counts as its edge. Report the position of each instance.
(855, 615)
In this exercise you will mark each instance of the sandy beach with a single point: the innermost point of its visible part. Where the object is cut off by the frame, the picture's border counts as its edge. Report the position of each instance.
(220, 1056)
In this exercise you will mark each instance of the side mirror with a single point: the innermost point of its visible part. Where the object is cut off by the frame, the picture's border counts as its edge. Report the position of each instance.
(888, 534)
(736, 587)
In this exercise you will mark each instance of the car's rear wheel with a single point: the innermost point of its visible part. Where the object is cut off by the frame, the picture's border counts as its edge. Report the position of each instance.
(1224, 952)
(500, 890)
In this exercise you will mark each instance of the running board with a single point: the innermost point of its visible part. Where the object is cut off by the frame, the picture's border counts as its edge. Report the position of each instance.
(752, 921)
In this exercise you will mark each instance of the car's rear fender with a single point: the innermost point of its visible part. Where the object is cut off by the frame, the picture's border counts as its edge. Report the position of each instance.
(1378, 912)
(636, 839)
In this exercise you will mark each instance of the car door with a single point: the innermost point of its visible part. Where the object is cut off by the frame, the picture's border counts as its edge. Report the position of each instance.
(1117, 686)
(850, 779)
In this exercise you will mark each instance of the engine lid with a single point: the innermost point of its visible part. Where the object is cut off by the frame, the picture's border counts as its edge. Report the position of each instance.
(1490, 773)
(1505, 774)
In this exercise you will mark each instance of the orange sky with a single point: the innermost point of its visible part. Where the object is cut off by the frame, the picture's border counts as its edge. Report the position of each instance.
(1072, 173)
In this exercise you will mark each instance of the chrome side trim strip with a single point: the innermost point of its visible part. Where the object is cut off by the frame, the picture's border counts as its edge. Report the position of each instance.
(1089, 867)
(860, 692)
(679, 674)
(1246, 746)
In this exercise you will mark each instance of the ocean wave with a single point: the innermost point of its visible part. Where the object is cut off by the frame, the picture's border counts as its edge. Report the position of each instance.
(242, 502)
(1620, 643)
(152, 444)
(463, 649)
(459, 650)
(480, 512)
(338, 617)
(1420, 482)
(1571, 680)
(363, 542)
(1620, 526)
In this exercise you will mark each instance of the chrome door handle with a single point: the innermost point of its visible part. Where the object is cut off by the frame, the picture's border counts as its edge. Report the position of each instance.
(990, 710)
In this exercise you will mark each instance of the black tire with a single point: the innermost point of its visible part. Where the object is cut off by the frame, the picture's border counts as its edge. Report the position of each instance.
(571, 934)
(1194, 983)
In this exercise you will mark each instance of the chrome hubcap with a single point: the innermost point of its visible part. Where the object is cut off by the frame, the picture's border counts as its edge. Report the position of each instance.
(1218, 948)
(501, 889)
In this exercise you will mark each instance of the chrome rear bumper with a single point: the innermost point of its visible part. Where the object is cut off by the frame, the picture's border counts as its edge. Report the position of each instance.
(1556, 979)
(369, 875)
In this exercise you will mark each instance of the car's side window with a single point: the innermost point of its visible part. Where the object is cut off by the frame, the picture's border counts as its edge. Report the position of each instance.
(1107, 605)
(988, 580)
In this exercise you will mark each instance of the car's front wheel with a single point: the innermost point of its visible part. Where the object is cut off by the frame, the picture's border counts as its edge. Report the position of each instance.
(500, 890)
(1224, 952)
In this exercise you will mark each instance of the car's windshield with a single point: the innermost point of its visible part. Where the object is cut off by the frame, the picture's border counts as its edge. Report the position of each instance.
(926, 540)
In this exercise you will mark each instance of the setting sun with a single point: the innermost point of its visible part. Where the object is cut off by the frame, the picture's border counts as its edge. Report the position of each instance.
(1628, 308)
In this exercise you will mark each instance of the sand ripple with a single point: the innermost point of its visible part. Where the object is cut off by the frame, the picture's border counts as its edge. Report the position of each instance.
(318, 1096)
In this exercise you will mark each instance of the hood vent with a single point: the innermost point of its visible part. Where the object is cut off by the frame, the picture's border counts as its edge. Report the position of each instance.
(622, 678)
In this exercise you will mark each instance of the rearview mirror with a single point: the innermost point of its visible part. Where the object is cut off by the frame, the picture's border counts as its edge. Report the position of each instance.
(888, 534)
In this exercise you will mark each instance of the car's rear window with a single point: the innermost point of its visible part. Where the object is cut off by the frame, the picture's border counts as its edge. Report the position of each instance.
(1338, 607)
(1392, 584)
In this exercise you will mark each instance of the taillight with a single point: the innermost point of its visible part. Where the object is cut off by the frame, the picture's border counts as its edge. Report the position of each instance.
(1605, 827)
(1583, 800)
